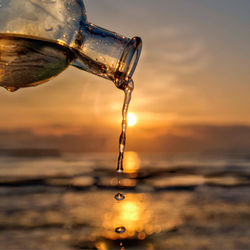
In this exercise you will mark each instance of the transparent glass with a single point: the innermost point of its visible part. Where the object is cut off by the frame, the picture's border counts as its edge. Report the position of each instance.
(40, 38)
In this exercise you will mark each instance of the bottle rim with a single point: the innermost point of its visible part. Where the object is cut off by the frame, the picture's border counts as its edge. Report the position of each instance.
(128, 62)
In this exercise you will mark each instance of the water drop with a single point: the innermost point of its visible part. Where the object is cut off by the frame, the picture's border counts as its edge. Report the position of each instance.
(48, 28)
(120, 230)
(122, 247)
(12, 89)
(119, 197)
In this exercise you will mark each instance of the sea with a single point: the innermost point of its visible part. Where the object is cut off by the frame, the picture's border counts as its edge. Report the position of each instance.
(65, 201)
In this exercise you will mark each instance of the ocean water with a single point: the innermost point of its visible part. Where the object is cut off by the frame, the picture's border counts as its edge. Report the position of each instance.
(55, 201)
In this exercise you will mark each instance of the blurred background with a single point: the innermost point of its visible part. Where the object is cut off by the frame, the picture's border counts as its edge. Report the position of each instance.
(187, 163)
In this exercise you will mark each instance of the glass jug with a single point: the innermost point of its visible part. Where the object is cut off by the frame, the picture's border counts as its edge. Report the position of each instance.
(40, 38)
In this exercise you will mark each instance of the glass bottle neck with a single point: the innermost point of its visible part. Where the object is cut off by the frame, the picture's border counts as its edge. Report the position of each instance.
(106, 53)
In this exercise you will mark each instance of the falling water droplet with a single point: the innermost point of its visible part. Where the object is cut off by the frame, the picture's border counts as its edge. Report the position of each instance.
(122, 247)
(12, 89)
(119, 197)
(120, 230)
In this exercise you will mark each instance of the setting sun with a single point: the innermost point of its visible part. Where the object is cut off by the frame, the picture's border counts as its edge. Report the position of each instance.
(131, 119)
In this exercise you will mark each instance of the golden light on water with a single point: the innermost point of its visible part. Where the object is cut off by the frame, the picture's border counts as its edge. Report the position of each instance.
(131, 163)
(132, 213)
(131, 119)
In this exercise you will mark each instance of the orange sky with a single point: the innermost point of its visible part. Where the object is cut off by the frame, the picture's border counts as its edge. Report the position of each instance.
(194, 69)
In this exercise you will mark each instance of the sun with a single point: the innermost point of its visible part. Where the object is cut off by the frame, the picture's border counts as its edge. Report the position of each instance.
(131, 118)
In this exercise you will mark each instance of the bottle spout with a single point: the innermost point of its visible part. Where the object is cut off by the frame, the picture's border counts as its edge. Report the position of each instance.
(128, 62)
(107, 54)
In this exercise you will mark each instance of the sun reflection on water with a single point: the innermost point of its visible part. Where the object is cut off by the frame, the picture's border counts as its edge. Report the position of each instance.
(131, 213)
(131, 163)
